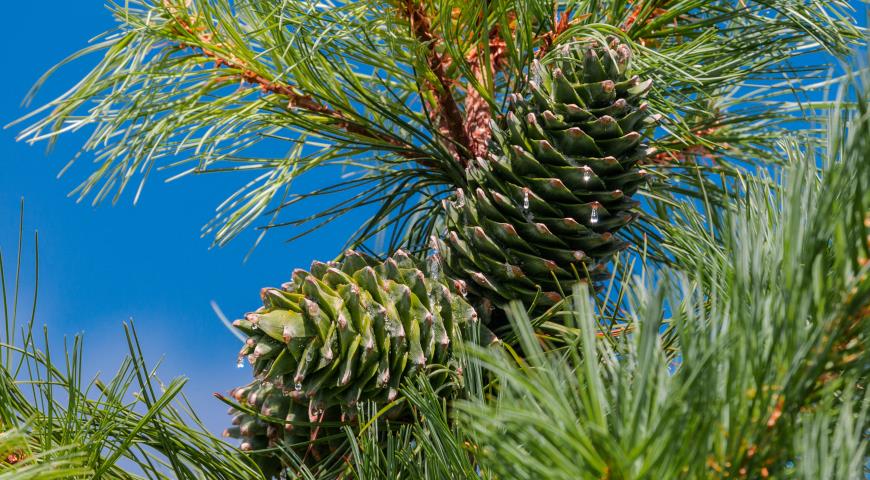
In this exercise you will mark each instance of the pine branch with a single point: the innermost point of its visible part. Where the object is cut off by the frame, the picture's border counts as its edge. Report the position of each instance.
(372, 85)
(770, 319)
(445, 111)
(295, 99)
(561, 22)
(485, 65)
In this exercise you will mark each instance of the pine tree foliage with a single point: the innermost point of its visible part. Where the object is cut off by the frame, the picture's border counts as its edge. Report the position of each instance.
(772, 324)
(57, 424)
(398, 95)
(768, 382)
(730, 342)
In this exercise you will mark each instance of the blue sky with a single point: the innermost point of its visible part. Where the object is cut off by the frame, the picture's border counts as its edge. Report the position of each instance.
(100, 266)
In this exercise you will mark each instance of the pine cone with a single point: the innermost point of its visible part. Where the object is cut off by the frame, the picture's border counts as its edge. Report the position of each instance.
(542, 210)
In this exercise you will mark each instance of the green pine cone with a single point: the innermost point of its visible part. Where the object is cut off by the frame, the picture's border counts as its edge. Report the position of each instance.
(342, 333)
(542, 210)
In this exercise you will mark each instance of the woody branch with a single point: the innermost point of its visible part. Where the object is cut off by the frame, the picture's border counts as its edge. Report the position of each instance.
(295, 99)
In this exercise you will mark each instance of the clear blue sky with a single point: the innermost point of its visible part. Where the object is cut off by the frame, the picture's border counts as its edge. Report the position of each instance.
(103, 265)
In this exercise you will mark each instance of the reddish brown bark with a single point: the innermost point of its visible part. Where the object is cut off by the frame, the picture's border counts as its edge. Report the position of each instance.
(478, 114)
(445, 113)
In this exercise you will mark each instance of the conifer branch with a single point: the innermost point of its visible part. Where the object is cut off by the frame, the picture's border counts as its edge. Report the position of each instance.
(371, 85)
(561, 23)
(478, 114)
(445, 113)
(295, 99)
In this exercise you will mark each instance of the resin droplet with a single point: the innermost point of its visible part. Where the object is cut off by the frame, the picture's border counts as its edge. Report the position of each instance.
(434, 266)
(525, 199)
(536, 73)
(593, 217)
(587, 174)
(459, 200)
(298, 387)
(433, 244)
(240, 363)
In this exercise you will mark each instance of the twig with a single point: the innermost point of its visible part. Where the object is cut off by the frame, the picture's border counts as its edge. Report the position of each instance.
(446, 113)
(477, 109)
(695, 149)
(560, 24)
(295, 99)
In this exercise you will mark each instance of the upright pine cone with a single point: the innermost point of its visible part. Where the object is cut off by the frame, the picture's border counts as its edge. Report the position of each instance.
(338, 334)
(543, 208)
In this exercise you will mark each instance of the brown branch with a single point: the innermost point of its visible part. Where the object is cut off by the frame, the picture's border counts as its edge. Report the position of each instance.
(634, 16)
(692, 150)
(478, 114)
(445, 113)
(560, 25)
(295, 99)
